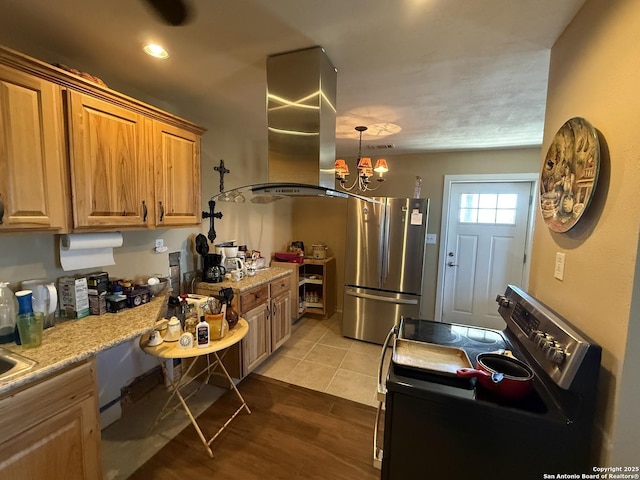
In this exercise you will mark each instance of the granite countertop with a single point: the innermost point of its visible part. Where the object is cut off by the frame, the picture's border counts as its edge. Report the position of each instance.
(261, 277)
(72, 341)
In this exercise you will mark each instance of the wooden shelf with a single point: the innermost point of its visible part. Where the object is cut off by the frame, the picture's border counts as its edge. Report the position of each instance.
(323, 284)
(313, 281)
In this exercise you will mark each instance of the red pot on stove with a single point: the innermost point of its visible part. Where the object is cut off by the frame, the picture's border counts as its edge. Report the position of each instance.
(504, 375)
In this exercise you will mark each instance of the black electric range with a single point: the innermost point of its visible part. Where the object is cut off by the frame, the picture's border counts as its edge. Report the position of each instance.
(439, 426)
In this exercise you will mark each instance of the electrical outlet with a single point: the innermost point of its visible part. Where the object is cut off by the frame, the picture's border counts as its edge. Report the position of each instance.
(432, 238)
(159, 243)
(558, 271)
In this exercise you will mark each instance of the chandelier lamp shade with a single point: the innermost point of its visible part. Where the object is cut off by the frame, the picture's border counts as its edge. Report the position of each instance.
(365, 169)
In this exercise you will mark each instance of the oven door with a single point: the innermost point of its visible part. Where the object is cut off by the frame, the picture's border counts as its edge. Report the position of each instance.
(458, 434)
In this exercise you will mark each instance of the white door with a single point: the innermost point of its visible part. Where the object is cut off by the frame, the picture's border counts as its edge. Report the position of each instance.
(485, 248)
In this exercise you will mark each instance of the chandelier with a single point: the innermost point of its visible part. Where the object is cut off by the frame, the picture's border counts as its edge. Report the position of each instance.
(365, 170)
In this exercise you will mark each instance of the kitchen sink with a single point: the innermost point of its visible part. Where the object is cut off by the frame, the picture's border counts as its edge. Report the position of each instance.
(12, 364)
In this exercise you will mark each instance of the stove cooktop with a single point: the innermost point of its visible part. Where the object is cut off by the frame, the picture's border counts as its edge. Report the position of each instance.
(473, 340)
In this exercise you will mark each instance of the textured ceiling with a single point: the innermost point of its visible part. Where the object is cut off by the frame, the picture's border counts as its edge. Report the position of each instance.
(451, 74)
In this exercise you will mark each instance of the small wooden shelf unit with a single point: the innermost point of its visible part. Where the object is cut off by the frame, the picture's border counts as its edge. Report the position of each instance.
(313, 287)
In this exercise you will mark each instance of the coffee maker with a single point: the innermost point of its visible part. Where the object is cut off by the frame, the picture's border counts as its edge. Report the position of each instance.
(212, 270)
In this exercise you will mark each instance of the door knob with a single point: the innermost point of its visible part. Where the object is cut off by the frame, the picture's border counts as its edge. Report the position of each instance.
(451, 264)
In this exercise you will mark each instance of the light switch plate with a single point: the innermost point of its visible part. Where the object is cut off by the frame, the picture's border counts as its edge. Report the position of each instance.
(159, 243)
(558, 271)
(432, 238)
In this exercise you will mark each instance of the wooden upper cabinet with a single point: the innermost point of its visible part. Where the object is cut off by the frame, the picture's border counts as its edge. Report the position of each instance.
(123, 164)
(32, 160)
(109, 163)
(176, 160)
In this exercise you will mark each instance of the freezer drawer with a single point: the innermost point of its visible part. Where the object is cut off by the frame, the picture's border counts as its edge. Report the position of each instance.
(369, 314)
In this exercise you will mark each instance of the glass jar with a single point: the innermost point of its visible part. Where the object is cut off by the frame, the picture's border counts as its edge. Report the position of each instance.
(30, 324)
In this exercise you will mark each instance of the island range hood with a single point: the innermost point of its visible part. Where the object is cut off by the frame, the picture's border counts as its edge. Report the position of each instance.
(301, 117)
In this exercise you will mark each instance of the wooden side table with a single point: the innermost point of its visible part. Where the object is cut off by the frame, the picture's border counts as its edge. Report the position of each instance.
(171, 350)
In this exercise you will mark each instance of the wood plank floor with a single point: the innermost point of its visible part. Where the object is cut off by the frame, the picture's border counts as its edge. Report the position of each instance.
(292, 433)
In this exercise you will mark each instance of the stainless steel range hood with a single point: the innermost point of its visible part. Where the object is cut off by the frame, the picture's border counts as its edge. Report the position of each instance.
(301, 116)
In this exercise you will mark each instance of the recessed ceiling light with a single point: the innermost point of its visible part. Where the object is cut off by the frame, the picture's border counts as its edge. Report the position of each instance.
(155, 50)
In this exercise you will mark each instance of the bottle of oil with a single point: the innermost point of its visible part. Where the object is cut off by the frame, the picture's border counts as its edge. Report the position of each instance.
(7, 313)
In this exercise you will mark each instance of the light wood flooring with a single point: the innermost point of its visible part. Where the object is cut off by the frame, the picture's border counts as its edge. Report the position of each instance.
(292, 433)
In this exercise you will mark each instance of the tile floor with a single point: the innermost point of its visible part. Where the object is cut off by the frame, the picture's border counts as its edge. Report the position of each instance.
(318, 357)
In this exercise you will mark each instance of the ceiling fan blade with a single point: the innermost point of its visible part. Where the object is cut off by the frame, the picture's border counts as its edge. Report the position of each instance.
(174, 12)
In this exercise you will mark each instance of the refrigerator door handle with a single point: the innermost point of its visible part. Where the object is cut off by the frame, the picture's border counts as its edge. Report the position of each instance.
(402, 301)
(385, 244)
(382, 244)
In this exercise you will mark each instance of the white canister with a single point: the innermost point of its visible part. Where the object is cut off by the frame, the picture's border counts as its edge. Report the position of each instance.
(319, 251)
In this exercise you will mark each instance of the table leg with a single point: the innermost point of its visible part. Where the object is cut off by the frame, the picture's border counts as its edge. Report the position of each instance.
(174, 387)
(182, 382)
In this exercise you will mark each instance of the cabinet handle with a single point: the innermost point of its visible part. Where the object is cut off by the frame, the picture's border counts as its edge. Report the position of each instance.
(1, 209)
(161, 211)
(144, 211)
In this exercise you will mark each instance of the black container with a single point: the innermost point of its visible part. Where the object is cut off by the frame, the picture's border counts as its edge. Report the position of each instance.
(137, 297)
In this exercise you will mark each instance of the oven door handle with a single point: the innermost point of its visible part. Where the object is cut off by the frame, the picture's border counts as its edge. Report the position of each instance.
(381, 395)
(382, 389)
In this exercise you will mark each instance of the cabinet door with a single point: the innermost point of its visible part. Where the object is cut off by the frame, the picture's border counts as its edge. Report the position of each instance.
(32, 162)
(280, 320)
(256, 346)
(51, 430)
(109, 163)
(176, 154)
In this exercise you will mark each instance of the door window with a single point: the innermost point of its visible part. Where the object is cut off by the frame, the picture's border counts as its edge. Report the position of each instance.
(495, 208)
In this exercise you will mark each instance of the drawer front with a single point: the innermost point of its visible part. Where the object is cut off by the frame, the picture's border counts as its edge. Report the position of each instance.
(253, 298)
(281, 285)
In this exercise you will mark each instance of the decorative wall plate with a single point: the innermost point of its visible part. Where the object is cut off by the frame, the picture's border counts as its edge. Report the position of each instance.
(569, 174)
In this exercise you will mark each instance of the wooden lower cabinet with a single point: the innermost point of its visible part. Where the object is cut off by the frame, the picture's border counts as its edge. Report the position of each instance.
(256, 346)
(280, 312)
(266, 308)
(51, 429)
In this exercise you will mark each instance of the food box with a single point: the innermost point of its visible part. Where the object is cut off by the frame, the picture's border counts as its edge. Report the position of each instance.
(97, 303)
(98, 282)
(137, 297)
(74, 297)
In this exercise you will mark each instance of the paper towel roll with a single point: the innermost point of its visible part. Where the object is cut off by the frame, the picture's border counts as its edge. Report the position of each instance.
(88, 250)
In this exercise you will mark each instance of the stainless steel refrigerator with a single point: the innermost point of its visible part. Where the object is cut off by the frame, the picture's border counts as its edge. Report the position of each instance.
(383, 266)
